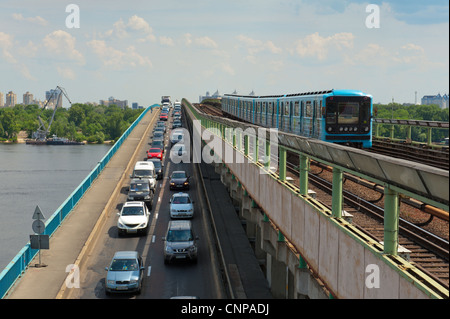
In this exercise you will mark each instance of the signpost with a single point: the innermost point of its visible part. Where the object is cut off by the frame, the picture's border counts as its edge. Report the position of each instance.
(39, 241)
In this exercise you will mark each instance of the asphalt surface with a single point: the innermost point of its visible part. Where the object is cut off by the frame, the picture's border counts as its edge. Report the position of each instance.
(73, 242)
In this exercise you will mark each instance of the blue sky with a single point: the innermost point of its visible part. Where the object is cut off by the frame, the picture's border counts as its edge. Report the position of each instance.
(139, 50)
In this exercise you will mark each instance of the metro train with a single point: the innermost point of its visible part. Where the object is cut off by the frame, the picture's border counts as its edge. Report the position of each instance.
(336, 116)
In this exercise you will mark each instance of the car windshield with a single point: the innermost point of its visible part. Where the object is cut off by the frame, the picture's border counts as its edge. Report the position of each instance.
(124, 265)
(132, 211)
(179, 235)
(179, 175)
(155, 150)
(139, 187)
(143, 172)
(157, 164)
(181, 200)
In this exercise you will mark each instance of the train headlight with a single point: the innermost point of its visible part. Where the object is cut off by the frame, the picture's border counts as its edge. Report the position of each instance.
(355, 129)
(341, 129)
(345, 129)
(366, 129)
(329, 128)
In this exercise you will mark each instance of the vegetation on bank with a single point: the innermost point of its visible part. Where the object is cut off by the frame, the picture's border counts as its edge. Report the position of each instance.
(81, 122)
(412, 112)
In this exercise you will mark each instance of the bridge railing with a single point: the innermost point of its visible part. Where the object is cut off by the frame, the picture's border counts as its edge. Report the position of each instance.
(295, 213)
(20, 262)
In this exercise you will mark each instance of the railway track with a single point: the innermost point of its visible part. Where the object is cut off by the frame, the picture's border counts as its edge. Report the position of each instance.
(435, 158)
(427, 251)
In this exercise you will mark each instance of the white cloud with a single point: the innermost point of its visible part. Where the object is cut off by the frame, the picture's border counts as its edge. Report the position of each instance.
(62, 44)
(36, 20)
(206, 42)
(66, 73)
(166, 41)
(7, 46)
(135, 25)
(256, 46)
(317, 46)
(117, 59)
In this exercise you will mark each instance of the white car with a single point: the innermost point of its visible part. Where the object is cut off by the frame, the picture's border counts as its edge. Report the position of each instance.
(181, 206)
(133, 218)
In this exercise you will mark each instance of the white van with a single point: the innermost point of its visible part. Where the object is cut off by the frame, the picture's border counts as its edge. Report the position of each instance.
(145, 170)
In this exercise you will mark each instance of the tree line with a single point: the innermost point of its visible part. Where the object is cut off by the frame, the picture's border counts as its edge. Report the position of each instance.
(81, 122)
(412, 112)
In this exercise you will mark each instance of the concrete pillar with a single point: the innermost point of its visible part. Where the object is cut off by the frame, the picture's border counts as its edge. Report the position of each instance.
(336, 207)
(391, 217)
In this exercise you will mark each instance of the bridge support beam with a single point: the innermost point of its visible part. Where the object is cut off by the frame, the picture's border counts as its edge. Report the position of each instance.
(391, 217)
(336, 207)
(282, 164)
(304, 175)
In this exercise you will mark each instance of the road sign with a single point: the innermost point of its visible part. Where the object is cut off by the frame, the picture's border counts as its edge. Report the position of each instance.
(38, 226)
(39, 242)
(38, 213)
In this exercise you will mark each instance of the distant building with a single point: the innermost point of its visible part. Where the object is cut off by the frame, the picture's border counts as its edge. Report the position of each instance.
(2, 104)
(122, 104)
(11, 99)
(441, 100)
(216, 95)
(53, 98)
(28, 98)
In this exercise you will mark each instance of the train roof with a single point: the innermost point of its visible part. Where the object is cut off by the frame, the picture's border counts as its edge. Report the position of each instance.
(332, 91)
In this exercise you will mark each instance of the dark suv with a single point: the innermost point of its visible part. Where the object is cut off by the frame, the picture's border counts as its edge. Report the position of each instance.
(159, 167)
(140, 190)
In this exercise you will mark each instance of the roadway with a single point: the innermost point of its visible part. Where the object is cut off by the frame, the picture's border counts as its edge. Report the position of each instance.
(202, 279)
(161, 280)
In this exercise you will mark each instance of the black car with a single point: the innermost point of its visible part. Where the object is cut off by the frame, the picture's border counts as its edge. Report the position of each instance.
(158, 167)
(176, 124)
(159, 144)
(140, 190)
(158, 135)
(179, 180)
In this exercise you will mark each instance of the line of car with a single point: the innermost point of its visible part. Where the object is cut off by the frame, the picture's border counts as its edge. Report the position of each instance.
(126, 270)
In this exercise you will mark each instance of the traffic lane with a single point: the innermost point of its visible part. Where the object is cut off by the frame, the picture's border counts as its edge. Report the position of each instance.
(182, 277)
(92, 276)
(160, 280)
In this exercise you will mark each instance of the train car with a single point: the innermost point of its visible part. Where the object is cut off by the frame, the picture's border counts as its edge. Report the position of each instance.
(336, 116)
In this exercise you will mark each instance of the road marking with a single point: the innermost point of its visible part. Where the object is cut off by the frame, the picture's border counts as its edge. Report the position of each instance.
(153, 238)
(149, 271)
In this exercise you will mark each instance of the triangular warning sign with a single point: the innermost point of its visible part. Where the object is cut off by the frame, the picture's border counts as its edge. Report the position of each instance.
(38, 213)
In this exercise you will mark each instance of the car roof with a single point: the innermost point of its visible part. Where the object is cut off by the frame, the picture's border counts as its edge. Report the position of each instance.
(126, 254)
(133, 203)
(178, 172)
(142, 164)
(181, 194)
(139, 180)
(179, 224)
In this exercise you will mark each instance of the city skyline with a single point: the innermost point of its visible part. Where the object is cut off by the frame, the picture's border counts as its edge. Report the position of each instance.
(145, 49)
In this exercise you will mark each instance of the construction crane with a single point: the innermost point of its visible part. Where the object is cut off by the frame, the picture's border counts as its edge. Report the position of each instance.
(43, 130)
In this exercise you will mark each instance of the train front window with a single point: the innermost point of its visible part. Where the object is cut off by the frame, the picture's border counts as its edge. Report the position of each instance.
(348, 113)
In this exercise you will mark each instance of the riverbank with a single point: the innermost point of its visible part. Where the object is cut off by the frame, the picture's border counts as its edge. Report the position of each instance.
(23, 136)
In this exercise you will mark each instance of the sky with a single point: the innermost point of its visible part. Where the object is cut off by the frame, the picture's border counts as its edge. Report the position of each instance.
(139, 50)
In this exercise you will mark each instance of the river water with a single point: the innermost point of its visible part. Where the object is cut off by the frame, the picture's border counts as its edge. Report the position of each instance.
(43, 175)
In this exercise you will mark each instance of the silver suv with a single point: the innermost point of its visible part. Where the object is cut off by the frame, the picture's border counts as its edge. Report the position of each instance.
(180, 241)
